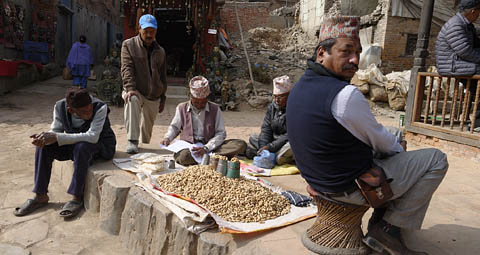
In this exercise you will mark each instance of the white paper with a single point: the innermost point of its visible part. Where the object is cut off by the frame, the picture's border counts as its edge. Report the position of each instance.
(179, 145)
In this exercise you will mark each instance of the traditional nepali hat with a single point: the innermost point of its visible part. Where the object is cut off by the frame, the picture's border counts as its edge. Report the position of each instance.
(339, 27)
(199, 87)
(468, 4)
(281, 85)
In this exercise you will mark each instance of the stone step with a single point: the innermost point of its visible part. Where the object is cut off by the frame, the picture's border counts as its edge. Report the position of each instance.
(177, 92)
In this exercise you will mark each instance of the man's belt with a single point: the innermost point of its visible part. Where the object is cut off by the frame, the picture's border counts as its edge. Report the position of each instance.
(342, 193)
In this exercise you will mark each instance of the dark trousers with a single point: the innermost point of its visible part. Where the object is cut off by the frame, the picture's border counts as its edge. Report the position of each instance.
(82, 154)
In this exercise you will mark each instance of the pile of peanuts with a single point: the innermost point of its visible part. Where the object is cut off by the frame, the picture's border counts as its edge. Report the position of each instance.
(235, 200)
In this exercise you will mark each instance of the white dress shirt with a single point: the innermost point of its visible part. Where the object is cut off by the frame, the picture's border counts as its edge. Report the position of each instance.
(351, 109)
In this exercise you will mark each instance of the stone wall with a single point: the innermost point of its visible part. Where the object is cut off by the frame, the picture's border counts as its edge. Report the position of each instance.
(456, 149)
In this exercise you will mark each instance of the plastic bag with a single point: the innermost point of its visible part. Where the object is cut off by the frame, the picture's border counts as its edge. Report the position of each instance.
(265, 160)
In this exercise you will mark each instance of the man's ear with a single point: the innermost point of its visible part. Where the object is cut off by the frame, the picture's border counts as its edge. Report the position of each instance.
(69, 110)
(320, 55)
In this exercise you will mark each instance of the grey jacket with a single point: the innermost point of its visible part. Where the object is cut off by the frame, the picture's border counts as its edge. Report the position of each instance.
(457, 48)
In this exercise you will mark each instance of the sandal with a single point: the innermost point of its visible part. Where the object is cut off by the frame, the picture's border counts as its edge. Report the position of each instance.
(71, 208)
(28, 207)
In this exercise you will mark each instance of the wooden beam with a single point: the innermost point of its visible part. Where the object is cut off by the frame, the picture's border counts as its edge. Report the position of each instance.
(458, 133)
(428, 131)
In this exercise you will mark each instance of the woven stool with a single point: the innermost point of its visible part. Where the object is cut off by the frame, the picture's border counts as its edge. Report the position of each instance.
(337, 228)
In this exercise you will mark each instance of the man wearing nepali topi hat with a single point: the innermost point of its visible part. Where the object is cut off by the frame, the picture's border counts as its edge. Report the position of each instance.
(273, 133)
(334, 135)
(81, 132)
(201, 121)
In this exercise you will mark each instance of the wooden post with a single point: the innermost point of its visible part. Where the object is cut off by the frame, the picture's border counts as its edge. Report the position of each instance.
(445, 100)
(437, 96)
(465, 105)
(420, 54)
(429, 96)
(475, 106)
(454, 104)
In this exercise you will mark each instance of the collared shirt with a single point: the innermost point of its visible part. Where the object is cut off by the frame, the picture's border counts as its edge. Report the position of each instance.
(352, 111)
(198, 119)
(92, 135)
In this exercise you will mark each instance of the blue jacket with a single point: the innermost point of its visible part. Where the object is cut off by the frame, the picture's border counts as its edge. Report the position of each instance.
(457, 49)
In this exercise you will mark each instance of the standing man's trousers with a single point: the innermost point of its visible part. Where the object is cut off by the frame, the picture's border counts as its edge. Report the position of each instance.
(140, 115)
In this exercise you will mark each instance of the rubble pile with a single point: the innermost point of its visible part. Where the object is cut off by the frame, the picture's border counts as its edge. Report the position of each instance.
(265, 37)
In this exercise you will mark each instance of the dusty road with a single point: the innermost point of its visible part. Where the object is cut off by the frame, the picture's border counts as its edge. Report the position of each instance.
(452, 225)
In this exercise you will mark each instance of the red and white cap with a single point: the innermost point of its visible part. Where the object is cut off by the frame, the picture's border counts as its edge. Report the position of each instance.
(339, 27)
(199, 87)
(281, 85)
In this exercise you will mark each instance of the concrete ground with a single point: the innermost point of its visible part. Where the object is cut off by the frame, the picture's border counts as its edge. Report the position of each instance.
(452, 224)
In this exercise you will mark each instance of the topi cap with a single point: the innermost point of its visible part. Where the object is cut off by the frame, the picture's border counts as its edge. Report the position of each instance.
(281, 85)
(339, 27)
(199, 87)
(147, 21)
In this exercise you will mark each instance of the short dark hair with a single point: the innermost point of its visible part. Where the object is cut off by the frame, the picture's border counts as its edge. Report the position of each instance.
(77, 97)
(326, 45)
(83, 39)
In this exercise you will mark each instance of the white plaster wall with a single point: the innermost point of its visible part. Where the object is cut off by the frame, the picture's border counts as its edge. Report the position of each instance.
(311, 12)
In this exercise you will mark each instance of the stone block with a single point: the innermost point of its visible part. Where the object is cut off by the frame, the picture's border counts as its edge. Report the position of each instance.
(160, 239)
(112, 202)
(211, 242)
(184, 241)
(136, 221)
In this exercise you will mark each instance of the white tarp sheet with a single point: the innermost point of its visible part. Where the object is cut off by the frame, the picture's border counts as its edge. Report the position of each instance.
(194, 216)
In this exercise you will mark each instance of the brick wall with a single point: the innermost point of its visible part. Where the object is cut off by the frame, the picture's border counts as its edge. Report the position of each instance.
(395, 42)
(251, 14)
(456, 149)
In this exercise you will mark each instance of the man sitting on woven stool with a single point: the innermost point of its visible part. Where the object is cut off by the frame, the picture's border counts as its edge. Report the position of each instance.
(333, 135)
(201, 121)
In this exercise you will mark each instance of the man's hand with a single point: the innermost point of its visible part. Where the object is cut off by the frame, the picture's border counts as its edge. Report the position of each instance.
(166, 142)
(199, 151)
(261, 149)
(404, 145)
(36, 141)
(44, 138)
(129, 94)
(161, 106)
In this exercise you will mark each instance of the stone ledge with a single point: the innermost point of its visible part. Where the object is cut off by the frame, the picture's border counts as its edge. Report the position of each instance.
(143, 224)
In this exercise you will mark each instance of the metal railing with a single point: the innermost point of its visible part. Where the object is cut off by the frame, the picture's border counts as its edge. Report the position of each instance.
(444, 104)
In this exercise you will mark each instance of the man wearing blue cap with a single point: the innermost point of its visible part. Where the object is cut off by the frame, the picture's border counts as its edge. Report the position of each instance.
(457, 49)
(144, 76)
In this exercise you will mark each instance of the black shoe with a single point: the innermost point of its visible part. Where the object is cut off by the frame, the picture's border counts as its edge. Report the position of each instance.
(386, 237)
(377, 216)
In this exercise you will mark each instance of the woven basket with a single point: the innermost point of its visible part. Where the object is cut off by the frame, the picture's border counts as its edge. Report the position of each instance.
(337, 229)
